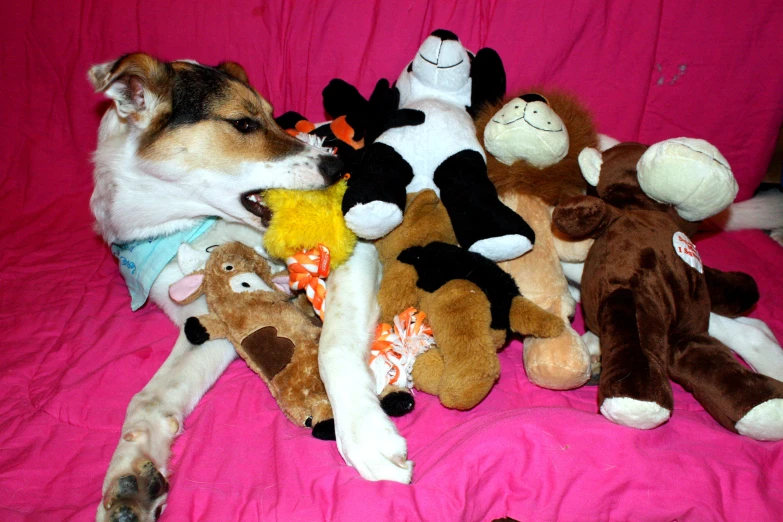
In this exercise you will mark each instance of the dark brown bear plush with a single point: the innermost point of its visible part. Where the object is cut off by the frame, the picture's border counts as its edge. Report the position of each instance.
(647, 295)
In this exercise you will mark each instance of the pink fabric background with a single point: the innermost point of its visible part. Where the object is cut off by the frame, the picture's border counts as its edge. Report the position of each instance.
(73, 354)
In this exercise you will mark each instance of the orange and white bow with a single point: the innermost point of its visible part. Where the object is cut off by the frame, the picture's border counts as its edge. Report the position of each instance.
(307, 271)
(395, 349)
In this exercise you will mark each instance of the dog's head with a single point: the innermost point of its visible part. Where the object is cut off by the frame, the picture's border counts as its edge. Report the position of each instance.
(195, 140)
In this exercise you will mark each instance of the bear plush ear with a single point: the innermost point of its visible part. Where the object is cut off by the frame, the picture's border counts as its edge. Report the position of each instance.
(187, 289)
(139, 84)
(590, 161)
(690, 174)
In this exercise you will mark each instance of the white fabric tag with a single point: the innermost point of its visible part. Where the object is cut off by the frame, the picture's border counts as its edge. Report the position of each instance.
(687, 251)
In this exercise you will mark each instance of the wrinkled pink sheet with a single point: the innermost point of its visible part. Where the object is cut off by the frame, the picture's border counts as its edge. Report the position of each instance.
(73, 354)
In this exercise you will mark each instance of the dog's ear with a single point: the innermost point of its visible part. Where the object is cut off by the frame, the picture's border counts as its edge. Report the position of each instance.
(187, 289)
(138, 83)
(234, 70)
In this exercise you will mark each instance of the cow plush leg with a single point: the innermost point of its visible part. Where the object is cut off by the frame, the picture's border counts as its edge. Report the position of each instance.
(634, 388)
(375, 198)
(135, 486)
(482, 223)
(739, 399)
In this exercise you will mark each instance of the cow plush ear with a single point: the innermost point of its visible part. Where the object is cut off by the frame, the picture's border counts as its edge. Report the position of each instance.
(234, 70)
(187, 289)
(280, 280)
(139, 84)
(590, 161)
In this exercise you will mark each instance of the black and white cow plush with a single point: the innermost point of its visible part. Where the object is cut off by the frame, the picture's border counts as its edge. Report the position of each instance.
(444, 82)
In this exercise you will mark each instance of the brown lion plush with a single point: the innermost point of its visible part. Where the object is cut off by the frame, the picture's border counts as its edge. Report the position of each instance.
(533, 142)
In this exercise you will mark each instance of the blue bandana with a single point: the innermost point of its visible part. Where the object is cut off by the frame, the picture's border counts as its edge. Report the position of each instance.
(141, 262)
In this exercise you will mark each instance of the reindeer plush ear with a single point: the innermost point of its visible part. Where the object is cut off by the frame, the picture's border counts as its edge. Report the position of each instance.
(187, 289)
(234, 70)
(139, 84)
(590, 161)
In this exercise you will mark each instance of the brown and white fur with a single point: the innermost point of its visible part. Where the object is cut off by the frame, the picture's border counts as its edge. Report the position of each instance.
(182, 142)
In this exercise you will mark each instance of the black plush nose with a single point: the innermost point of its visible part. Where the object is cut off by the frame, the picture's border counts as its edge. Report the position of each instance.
(331, 168)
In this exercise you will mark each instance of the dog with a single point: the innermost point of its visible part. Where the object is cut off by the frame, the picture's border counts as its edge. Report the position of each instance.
(180, 143)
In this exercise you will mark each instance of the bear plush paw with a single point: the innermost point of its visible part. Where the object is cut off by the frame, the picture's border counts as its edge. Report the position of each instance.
(764, 422)
(502, 248)
(374, 219)
(642, 415)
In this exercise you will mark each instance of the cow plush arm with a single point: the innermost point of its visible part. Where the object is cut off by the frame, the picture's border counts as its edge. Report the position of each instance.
(201, 329)
(584, 217)
(731, 293)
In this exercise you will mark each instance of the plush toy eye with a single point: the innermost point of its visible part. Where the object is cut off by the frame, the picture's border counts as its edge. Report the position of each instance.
(245, 125)
(228, 267)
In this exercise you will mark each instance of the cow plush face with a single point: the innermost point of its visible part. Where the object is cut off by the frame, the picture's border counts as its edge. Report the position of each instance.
(527, 128)
(441, 69)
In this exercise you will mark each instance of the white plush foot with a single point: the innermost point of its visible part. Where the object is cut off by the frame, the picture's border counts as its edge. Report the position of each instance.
(642, 415)
(502, 248)
(374, 219)
(764, 422)
(370, 443)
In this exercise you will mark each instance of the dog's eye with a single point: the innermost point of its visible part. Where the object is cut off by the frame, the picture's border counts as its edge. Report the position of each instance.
(245, 125)
(228, 267)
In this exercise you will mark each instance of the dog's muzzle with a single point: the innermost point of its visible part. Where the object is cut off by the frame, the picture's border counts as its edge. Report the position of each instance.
(331, 168)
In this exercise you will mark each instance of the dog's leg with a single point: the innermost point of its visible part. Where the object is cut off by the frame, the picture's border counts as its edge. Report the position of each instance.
(135, 486)
(366, 438)
(752, 340)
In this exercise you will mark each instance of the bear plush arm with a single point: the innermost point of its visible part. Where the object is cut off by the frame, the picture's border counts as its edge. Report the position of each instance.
(583, 217)
(732, 294)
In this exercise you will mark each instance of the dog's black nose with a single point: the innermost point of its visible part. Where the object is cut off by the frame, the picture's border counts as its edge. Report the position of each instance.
(331, 168)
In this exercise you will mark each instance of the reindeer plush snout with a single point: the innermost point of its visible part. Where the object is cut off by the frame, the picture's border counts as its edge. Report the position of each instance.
(690, 174)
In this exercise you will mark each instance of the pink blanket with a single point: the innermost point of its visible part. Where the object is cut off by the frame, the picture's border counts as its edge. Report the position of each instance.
(73, 354)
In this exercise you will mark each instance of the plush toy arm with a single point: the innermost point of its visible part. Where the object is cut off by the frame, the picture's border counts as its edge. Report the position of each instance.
(201, 329)
(584, 217)
(385, 113)
(489, 80)
(731, 293)
(569, 250)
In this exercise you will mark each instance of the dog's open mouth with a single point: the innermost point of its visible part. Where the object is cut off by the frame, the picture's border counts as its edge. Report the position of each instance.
(252, 201)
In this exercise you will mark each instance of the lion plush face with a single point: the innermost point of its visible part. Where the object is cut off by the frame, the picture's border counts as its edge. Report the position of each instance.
(527, 128)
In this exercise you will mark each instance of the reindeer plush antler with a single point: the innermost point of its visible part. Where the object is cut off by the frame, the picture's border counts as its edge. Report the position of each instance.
(277, 340)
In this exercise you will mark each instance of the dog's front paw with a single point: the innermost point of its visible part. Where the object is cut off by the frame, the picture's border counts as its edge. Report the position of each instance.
(374, 219)
(370, 443)
(138, 496)
(195, 331)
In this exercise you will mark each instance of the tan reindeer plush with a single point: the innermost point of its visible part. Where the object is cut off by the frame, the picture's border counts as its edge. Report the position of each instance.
(277, 339)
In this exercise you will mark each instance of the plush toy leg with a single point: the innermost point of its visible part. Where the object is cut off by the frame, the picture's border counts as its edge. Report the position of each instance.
(561, 362)
(301, 394)
(375, 196)
(396, 401)
(398, 290)
(482, 223)
(460, 318)
(634, 389)
(739, 399)
(428, 371)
